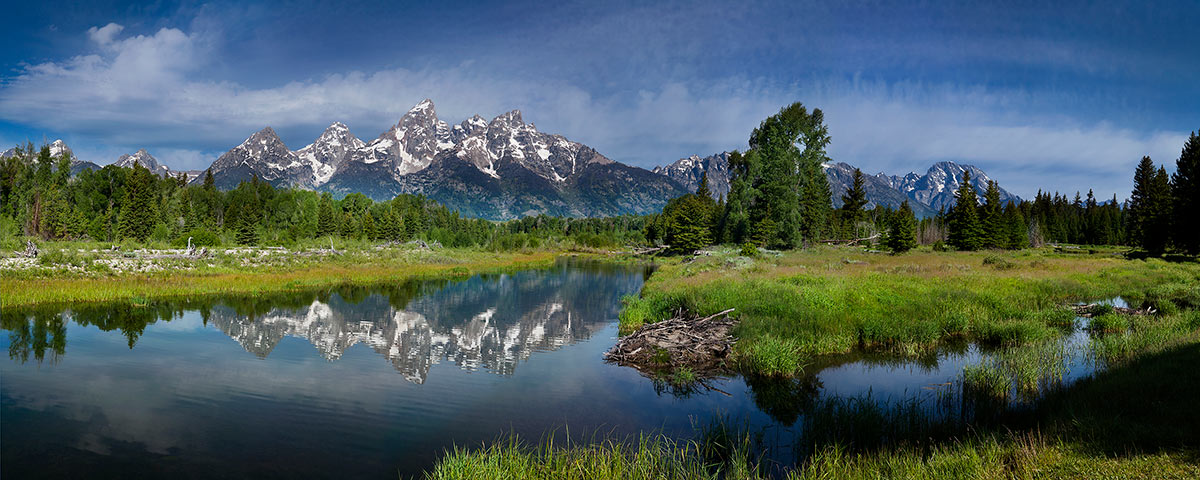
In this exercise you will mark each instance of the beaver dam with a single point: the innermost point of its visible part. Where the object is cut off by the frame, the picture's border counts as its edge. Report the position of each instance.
(684, 341)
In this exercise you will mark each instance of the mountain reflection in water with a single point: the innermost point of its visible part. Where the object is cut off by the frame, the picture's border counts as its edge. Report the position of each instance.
(485, 322)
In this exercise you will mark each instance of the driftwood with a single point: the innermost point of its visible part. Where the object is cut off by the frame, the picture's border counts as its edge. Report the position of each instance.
(1090, 310)
(191, 249)
(701, 345)
(31, 250)
(852, 241)
(650, 250)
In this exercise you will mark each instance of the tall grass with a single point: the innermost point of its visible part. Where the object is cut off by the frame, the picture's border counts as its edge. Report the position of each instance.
(646, 457)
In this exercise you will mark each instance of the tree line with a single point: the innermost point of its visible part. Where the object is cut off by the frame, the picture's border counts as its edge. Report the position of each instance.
(40, 198)
(780, 198)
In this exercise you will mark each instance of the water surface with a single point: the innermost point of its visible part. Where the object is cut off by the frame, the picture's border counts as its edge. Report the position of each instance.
(371, 382)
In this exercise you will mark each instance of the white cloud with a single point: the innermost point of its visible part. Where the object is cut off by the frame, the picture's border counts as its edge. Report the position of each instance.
(150, 91)
(104, 35)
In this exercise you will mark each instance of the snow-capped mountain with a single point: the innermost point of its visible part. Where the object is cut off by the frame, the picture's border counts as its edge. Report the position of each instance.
(926, 193)
(499, 169)
(937, 186)
(145, 160)
(263, 155)
(688, 171)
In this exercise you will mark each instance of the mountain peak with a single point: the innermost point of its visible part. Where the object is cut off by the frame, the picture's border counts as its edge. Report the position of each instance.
(425, 105)
(511, 119)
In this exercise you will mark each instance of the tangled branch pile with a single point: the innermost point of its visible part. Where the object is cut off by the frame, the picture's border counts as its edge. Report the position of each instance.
(700, 344)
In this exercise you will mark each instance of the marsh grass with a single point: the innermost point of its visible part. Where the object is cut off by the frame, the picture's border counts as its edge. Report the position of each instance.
(650, 456)
(829, 300)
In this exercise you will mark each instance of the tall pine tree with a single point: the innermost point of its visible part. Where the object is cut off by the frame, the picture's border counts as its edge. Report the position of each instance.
(139, 210)
(1185, 185)
(991, 217)
(965, 232)
(1149, 208)
(902, 234)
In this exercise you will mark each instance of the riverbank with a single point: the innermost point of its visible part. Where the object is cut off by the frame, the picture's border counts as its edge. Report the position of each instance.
(795, 306)
(80, 275)
(1131, 420)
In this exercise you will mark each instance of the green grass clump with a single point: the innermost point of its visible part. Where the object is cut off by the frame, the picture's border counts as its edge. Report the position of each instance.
(769, 356)
(1109, 323)
(646, 457)
(986, 381)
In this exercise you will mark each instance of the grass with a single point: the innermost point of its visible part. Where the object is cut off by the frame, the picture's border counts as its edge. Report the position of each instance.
(826, 300)
(242, 273)
(646, 457)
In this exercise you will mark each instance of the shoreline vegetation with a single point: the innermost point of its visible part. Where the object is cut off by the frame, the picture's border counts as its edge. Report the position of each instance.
(795, 306)
(77, 274)
(1130, 419)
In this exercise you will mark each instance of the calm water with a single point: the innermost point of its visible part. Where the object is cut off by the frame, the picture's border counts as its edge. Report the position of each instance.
(360, 382)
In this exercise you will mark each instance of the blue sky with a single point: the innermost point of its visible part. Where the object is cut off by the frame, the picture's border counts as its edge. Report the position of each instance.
(1060, 97)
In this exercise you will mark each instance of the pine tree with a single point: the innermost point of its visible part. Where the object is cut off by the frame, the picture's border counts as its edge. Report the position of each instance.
(853, 202)
(1149, 208)
(139, 210)
(1016, 235)
(703, 191)
(688, 223)
(209, 184)
(1185, 185)
(902, 234)
(990, 215)
(326, 222)
(368, 227)
(964, 230)
(1159, 231)
(247, 232)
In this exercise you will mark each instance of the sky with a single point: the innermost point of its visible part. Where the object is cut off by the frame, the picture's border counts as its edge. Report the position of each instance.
(1061, 97)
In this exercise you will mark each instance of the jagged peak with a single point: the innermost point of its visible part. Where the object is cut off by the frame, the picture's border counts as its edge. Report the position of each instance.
(424, 105)
(509, 118)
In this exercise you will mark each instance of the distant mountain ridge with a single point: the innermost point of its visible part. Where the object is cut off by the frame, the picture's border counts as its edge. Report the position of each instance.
(926, 193)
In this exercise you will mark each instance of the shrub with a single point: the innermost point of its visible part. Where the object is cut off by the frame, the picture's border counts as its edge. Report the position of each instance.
(750, 250)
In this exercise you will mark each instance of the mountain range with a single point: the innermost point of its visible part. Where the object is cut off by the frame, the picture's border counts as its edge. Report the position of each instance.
(498, 169)
(504, 168)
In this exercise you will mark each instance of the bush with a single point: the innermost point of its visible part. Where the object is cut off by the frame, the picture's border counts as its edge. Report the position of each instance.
(750, 250)
(998, 262)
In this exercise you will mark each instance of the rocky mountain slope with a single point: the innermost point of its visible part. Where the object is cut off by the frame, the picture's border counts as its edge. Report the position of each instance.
(499, 169)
